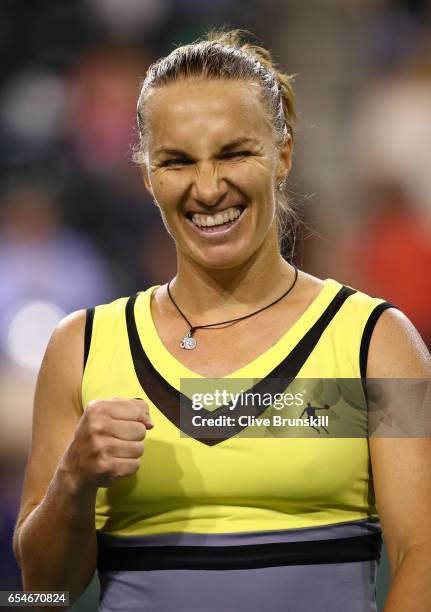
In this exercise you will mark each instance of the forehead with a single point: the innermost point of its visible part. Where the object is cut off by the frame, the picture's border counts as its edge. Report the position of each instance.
(198, 112)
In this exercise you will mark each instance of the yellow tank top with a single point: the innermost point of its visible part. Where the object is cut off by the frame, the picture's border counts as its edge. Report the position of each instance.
(241, 483)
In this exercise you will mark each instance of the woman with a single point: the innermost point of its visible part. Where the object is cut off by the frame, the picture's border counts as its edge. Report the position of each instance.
(230, 522)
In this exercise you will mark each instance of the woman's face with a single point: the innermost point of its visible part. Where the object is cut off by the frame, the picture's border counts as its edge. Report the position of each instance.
(212, 167)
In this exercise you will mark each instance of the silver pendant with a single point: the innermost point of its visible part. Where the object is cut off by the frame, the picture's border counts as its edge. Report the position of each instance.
(188, 342)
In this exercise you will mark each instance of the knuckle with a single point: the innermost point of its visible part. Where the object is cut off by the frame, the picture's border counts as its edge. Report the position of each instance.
(107, 449)
(112, 470)
(132, 467)
(136, 466)
(89, 406)
(141, 404)
(137, 449)
(140, 430)
(139, 401)
(126, 468)
(96, 425)
(99, 446)
(93, 405)
(103, 466)
(140, 448)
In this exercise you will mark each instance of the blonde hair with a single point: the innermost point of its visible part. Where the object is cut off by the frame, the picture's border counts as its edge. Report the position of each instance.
(227, 55)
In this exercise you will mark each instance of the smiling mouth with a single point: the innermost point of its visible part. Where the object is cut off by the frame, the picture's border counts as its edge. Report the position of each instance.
(216, 222)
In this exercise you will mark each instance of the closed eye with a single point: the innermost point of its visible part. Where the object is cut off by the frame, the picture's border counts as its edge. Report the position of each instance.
(185, 161)
(177, 161)
(235, 154)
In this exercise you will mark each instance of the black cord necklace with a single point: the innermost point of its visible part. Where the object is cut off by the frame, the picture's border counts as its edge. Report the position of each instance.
(188, 342)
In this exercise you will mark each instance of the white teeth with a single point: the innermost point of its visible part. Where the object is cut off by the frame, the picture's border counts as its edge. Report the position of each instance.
(218, 219)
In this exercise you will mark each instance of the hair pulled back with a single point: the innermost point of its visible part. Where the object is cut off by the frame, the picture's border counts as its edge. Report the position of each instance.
(227, 55)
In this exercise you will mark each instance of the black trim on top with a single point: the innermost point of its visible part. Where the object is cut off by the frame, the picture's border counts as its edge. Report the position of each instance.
(366, 336)
(168, 399)
(88, 332)
(339, 550)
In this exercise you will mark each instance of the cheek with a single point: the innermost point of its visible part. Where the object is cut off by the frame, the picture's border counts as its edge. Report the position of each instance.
(252, 176)
(165, 189)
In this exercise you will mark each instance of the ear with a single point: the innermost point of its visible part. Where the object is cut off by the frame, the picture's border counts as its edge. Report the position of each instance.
(146, 177)
(285, 159)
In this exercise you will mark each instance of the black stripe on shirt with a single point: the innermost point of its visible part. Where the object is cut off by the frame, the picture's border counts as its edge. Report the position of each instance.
(88, 333)
(366, 336)
(168, 398)
(339, 550)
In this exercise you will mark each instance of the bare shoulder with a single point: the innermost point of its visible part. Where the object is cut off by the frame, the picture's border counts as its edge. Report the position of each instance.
(69, 329)
(397, 349)
(58, 387)
(68, 338)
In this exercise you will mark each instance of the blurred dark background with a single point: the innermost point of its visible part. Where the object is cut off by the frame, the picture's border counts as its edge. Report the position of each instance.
(77, 227)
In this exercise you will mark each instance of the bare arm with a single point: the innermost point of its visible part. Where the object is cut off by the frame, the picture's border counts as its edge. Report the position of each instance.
(55, 539)
(401, 471)
(73, 453)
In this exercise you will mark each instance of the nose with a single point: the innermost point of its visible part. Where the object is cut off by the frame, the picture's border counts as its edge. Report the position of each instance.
(208, 187)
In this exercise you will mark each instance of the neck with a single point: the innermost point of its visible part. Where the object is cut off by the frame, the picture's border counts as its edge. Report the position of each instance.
(203, 294)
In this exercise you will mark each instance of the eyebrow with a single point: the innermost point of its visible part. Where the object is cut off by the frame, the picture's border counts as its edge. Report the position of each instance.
(237, 142)
(227, 147)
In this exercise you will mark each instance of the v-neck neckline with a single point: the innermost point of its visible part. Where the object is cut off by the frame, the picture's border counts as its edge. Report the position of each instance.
(173, 370)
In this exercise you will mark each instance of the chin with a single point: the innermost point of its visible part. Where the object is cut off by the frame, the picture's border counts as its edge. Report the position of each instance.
(222, 259)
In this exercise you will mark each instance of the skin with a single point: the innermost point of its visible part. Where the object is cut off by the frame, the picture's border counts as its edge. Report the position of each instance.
(218, 278)
(72, 454)
(200, 118)
(401, 470)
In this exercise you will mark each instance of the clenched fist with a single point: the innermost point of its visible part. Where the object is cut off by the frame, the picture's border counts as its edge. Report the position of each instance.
(108, 442)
